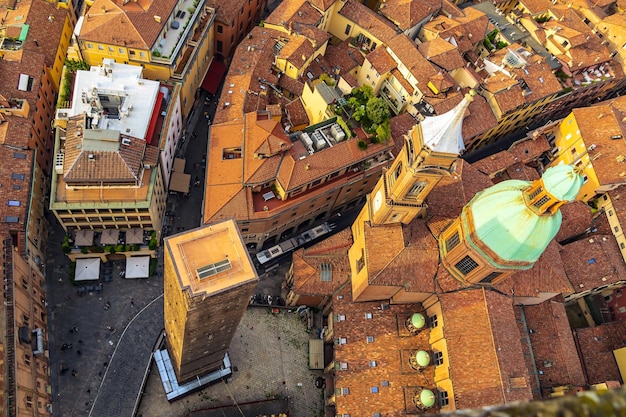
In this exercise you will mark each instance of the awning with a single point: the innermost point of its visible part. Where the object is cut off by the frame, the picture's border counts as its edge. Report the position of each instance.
(137, 267)
(214, 76)
(134, 236)
(179, 165)
(109, 236)
(316, 354)
(180, 182)
(156, 111)
(84, 238)
(87, 269)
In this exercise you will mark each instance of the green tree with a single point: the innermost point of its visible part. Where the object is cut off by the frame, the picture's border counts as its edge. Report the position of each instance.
(73, 65)
(377, 110)
(363, 93)
(359, 113)
(383, 132)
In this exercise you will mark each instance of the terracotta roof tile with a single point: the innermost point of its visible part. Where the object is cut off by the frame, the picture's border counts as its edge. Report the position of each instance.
(343, 57)
(283, 12)
(520, 171)
(297, 172)
(400, 125)
(547, 276)
(411, 256)
(441, 53)
(295, 87)
(596, 348)
(453, 192)
(536, 6)
(553, 346)
(44, 33)
(366, 18)
(495, 164)
(332, 251)
(389, 349)
(85, 164)
(15, 165)
(576, 219)
(383, 236)
(381, 60)
(226, 12)
(593, 262)
(406, 50)
(137, 24)
(483, 321)
(467, 28)
(407, 14)
(322, 5)
(296, 113)
(597, 124)
(530, 149)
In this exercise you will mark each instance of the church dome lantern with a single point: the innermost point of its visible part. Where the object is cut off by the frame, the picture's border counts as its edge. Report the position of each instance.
(424, 399)
(419, 360)
(415, 323)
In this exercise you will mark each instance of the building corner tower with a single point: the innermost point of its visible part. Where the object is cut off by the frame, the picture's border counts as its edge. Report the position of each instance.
(208, 281)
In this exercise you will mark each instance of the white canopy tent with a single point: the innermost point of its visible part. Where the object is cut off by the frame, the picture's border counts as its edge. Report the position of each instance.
(87, 269)
(138, 267)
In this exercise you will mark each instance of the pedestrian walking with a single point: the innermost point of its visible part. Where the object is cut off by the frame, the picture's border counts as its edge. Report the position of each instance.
(74, 373)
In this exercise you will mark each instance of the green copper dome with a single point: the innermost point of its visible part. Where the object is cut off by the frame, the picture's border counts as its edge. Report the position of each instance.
(503, 221)
(418, 320)
(427, 398)
(562, 182)
(422, 358)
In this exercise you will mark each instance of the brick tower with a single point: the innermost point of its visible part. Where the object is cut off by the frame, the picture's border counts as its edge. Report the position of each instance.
(208, 281)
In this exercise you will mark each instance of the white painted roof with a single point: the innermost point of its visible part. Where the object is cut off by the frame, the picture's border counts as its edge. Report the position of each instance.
(138, 96)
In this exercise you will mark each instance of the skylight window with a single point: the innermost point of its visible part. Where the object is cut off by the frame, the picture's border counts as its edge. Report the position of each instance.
(214, 268)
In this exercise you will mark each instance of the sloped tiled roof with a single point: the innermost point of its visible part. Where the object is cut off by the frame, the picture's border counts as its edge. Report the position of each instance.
(306, 262)
(453, 192)
(296, 112)
(576, 219)
(366, 18)
(441, 53)
(596, 349)
(593, 262)
(597, 124)
(408, 13)
(86, 165)
(547, 276)
(484, 349)
(409, 55)
(133, 24)
(343, 57)
(553, 345)
(381, 60)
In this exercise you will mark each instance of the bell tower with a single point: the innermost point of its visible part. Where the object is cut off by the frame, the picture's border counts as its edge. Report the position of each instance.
(429, 153)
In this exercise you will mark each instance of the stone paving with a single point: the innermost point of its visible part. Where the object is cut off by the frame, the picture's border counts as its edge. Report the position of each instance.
(270, 354)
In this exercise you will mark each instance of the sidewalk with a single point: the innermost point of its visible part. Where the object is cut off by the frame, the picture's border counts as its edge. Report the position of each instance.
(269, 353)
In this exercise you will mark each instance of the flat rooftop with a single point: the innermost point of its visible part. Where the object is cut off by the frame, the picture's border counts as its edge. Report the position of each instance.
(115, 97)
(211, 259)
